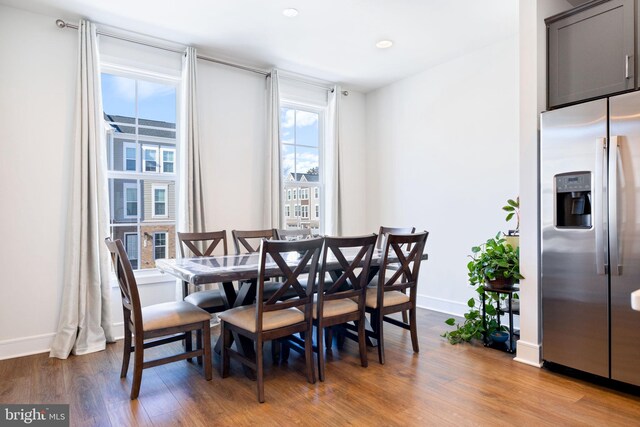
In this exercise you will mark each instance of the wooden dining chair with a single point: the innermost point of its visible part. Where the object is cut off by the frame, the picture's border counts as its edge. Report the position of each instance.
(272, 318)
(203, 245)
(343, 300)
(382, 235)
(248, 241)
(293, 233)
(389, 296)
(172, 320)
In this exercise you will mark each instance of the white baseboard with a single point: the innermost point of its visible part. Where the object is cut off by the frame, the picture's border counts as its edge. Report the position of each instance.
(27, 346)
(528, 353)
(454, 308)
(18, 347)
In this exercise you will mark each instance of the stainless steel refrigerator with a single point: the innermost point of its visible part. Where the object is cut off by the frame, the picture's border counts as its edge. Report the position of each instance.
(590, 225)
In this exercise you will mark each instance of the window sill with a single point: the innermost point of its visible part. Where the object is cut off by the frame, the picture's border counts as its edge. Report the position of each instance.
(150, 276)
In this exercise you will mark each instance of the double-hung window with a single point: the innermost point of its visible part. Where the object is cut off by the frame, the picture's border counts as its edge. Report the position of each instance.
(140, 109)
(301, 139)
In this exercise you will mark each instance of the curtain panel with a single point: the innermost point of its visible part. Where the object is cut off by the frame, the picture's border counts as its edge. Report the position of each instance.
(191, 194)
(273, 189)
(84, 324)
(333, 166)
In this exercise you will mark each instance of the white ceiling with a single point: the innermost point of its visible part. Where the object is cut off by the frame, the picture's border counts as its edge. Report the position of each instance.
(333, 40)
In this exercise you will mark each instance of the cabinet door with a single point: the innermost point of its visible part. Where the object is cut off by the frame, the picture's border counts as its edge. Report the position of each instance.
(591, 52)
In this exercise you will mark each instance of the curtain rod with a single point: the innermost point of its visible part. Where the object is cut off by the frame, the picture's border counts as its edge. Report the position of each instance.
(62, 24)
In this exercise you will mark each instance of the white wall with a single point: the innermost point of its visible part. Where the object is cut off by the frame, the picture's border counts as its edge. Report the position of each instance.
(37, 83)
(37, 87)
(442, 155)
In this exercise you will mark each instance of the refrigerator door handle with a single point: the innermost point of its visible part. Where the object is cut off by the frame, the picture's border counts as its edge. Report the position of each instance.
(601, 147)
(614, 250)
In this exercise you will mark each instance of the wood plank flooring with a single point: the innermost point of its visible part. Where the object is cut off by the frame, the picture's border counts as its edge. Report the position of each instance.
(442, 385)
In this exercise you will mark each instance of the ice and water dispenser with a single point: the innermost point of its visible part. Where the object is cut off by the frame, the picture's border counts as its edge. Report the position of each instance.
(573, 200)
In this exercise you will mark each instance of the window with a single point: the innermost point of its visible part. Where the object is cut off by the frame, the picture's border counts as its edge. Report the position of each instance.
(289, 194)
(140, 109)
(159, 197)
(317, 211)
(301, 147)
(130, 161)
(131, 247)
(159, 245)
(287, 211)
(168, 155)
(130, 200)
(150, 158)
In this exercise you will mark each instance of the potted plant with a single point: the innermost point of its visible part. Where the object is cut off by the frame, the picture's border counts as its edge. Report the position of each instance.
(513, 211)
(494, 263)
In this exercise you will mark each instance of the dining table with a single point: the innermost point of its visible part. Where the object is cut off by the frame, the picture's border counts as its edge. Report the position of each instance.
(243, 269)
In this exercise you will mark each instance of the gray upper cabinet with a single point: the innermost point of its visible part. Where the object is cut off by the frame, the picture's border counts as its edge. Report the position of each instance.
(591, 51)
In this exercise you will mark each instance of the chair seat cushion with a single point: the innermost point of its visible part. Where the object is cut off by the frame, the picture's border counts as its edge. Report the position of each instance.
(206, 299)
(390, 298)
(245, 318)
(336, 308)
(169, 314)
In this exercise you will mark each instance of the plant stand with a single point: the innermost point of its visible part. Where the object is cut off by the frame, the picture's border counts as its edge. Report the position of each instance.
(510, 345)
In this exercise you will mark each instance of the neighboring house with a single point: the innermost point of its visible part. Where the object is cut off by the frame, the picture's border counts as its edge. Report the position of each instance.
(302, 200)
(142, 189)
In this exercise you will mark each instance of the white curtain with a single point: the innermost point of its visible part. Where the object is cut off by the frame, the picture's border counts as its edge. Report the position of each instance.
(191, 194)
(333, 166)
(85, 315)
(273, 187)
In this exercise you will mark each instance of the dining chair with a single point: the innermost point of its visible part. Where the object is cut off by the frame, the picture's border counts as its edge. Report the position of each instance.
(389, 296)
(271, 319)
(382, 235)
(172, 320)
(203, 245)
(248, 241)
(343, 300)
(293, 233)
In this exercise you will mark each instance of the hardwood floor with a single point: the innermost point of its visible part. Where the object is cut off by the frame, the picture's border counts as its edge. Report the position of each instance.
(442, 385)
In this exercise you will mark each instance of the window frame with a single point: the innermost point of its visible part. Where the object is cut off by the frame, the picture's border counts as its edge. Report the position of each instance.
(126, 245)
(128, 186)
(321, 111)
(156, 186)
(133, 71)
(148, 147)
(125, 145)
(167, 150)
(165, 246)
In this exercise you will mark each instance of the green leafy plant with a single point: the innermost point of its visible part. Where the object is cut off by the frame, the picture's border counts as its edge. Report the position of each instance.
(492, 260)
(513, 209)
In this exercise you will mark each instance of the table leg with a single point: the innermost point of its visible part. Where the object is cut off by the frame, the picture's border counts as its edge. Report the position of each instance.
(245, 296)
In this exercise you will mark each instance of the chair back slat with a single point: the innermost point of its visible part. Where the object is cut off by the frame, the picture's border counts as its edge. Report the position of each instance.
(350, 284)
(293, 234)
(248, 241)
(385, 231)
(126, 282)
(195, 242)
(309, 249)
(404, 271)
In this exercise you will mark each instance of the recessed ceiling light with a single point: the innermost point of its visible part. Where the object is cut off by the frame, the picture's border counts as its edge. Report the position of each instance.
(290, 13)
(384, 44)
